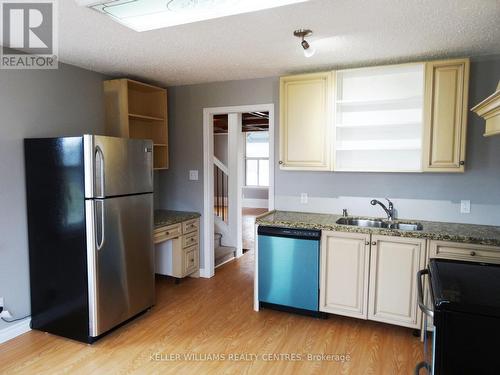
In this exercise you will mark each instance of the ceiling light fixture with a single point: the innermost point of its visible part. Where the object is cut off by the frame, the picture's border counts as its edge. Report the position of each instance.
(309, 50)
(144, 15)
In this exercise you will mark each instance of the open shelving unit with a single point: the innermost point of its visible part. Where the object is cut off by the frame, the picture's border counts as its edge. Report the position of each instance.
(138, 110)
(379, 119)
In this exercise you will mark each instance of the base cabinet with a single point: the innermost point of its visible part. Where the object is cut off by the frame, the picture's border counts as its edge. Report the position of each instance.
(345, 261)
(177, 249)
(371, 277)
(394, 264)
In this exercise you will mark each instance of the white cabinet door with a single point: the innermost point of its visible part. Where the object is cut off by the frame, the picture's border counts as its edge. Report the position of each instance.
(394, 262)
(305, 122)
(344, 273)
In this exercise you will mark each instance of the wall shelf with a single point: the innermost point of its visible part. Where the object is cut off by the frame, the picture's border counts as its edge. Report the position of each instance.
(143, 117)
(375, 125)
(396, 103)
(379, 118)
(138, 110)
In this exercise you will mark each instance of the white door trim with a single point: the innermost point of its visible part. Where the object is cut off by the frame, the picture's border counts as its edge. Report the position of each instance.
(208, 269)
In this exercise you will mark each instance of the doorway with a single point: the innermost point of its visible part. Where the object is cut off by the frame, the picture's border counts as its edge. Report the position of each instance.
(239, 187)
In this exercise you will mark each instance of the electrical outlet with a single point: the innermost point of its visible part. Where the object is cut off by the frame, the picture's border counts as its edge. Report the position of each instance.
(303, 198)
(465, 207)
(1, 302)
(193, 175)
(5, 314)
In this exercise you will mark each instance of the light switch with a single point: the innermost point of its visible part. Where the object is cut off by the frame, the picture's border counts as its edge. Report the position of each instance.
(303, 198)
(193, 175)
(465, 207)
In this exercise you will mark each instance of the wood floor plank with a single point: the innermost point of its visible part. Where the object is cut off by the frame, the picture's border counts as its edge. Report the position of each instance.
(214, 317)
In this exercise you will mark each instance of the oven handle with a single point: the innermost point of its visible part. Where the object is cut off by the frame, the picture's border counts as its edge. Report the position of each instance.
(427, 311)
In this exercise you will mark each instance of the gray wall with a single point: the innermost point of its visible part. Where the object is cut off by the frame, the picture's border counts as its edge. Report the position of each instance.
(35, 103)
(480, 184)
(253, 193)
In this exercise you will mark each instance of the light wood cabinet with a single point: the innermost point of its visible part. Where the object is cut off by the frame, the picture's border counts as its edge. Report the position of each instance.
(464, 251)
(400, 118)
(371, 277)
(344, 272)
(445, 115)
(179, 257)
(394, 262)
(138, 110)
(306, 121)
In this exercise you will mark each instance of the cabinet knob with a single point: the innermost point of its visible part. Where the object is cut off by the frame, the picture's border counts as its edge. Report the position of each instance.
(167, 233)
(280, 162)
(462, 162)
(374, 243)
(367, 243)
(472, 253)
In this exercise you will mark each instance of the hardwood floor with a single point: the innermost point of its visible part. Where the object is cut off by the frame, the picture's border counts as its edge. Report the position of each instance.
(215, 317)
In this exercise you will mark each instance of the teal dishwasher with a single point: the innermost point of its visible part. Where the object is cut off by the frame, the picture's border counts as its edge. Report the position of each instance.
(288, 266)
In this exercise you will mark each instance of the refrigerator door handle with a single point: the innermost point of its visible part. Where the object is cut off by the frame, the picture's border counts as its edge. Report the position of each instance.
(99, 223)
(99, 171)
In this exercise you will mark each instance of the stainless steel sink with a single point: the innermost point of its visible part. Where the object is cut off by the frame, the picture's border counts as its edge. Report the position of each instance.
(405, 226)
(362, 222)
(377, 223)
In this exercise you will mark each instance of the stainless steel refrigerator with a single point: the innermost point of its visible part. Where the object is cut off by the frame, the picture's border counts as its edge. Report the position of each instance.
(90, 224)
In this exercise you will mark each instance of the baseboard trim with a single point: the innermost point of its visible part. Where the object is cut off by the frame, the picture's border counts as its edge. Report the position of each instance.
(15, 329)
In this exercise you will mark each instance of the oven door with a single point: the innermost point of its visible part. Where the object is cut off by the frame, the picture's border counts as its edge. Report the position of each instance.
(429, 340)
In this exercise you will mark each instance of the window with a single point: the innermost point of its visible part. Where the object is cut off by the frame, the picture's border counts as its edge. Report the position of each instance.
(257, 159)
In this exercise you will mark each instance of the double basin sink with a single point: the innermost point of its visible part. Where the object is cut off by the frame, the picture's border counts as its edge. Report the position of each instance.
(378, 223)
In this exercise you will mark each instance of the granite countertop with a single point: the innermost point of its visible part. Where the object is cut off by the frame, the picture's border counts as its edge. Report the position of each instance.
(465, 233)
(169, 217)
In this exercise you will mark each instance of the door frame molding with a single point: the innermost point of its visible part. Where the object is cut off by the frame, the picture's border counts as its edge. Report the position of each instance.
(208, 269)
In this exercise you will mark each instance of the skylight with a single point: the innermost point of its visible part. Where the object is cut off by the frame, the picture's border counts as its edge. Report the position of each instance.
(144, 15)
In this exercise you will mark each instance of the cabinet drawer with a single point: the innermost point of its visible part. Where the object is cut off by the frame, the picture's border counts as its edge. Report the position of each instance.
(465, 251)
(190, 239)
(191, 256)
(190, 226)
(167, 233)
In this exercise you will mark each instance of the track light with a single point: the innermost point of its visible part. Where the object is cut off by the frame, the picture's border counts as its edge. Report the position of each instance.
(308, 49)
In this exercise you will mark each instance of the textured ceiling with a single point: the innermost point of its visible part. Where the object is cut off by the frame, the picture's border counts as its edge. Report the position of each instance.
(261, 44)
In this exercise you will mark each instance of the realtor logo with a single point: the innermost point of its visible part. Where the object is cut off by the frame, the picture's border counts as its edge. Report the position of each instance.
(29, 34)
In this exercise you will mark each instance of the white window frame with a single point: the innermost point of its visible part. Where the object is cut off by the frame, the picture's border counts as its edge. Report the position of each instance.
(258, 186)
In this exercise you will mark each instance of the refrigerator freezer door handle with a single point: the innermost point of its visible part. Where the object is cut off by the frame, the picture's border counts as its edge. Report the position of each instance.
(99, 168)
(100, 220)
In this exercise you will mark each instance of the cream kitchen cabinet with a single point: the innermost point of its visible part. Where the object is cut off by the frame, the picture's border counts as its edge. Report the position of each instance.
(345, 259)
(306, 121)
(371, 277)
(464, 251)
(394, 263)
(399, 118)
(445, 115)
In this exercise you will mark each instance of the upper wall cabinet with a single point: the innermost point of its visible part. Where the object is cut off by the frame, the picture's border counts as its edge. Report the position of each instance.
(138, 110)
(445, 115)
(305, 122)
(396, 118)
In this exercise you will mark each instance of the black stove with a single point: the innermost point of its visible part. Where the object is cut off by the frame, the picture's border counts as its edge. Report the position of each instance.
(465, 299)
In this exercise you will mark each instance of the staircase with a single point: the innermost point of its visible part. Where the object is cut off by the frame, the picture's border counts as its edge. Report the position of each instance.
(223, 254)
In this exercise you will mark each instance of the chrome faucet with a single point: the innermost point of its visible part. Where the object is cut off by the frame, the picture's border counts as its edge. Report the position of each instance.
(389, 211)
